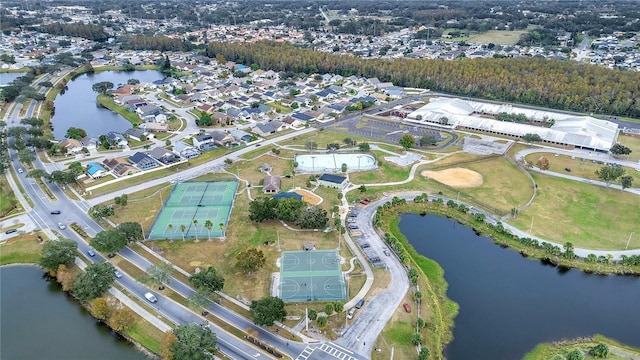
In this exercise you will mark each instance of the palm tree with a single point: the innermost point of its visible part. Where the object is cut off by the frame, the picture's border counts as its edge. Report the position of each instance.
(221, 227)
(209, 225)
(195, 225)
(183, 228)
(170, 230)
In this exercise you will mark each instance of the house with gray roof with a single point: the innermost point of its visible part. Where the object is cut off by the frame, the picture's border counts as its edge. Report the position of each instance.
(143, 161)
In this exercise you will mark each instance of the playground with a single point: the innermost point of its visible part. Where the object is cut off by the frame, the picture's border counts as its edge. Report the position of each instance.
(311, 276)
(188, 208)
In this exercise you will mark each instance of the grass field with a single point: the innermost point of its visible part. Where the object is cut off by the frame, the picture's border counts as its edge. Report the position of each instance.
(498, 37)
(617, 351)
(584, 169)
(20, 250)
(632, 143)
(589, 216)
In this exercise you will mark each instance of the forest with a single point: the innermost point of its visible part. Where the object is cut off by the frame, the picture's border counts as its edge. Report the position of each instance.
(564, 85)
(87, 31)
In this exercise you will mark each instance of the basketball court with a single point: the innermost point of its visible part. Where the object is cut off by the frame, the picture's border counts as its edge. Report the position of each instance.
(311, 276)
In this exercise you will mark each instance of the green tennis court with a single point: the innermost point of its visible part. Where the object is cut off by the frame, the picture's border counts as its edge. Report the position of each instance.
(201, 201)
(311, 276)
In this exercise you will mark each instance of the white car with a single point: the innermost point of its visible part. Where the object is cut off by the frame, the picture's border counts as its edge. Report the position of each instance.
(150, 297)
(350, 313)
(20, 171)
(118, 274)
(61, 226)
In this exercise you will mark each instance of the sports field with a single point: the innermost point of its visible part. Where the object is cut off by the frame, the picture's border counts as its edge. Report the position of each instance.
(311, 276)
(201, 201)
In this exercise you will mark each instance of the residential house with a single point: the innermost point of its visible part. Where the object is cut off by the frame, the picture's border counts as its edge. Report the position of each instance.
(240, 135)
(221, 138)
(301, 117)
(333, 181)
(292, 123)
(204, 142)
(264, 129)
(148, 111)
(71, 146)
(89, 143)
(143, 161)
(155, 127)
(271, 184)
(116, 140)
(136, 134)
(185, 150)
(120, 167)
(95, 170)
(163, 155)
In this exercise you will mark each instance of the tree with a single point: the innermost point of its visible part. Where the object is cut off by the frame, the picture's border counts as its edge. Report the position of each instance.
(362, 188)
(165, 66)
(26, 156)
(609, 174)
(288, 209)
(207, 281)
(194, 342)
(101, 211)
(75, 133)
(619, 149)
(626, 181)
(542, 163)
(328, 309)
(133, 81)
(312, 217)
(426, 140)
(599, 351)
(204, 119)
(575, 354)
(322, 322)
(161, 274)
(312, 314)
(100, 308)
(110, 241)
(121, 319)
(94, 281)
(166, 345)
(416, 339)
(208, 224)
(250, 260)
(407, 141)
(262, 209)
(102, 87)
(132, 231)
(65, 277)
(424, 353)
(444, 120)
(267, 310)
(183, 228)
(199, 301)
(121, 200)
(338, 306)
(529, 138)
(59, 252)
(195, 227)
(364, 147)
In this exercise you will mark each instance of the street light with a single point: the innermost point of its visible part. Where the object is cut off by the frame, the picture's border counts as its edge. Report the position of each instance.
(313, 163)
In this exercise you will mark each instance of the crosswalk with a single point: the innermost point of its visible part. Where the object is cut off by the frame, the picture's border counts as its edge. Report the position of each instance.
(312, 352)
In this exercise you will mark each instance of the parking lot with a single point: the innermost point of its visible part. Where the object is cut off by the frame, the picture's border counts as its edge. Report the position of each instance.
(384, 130)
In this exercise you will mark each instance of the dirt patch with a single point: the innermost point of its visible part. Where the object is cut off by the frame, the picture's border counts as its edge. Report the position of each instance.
(308, 196)
(455, 177)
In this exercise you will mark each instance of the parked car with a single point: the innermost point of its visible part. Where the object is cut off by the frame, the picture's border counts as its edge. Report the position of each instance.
(350, 313)
(118, 274)
(11, 231)
(55, 212)
(91, 253)
(61, 226)
(20, 171)
(150, 297)
(406, 307)
(386, 252)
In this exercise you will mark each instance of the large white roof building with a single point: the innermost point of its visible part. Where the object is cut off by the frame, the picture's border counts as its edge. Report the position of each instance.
(568, 130)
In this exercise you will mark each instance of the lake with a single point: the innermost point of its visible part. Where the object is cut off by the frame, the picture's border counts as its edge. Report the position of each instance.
(77, 107)
(39, 321)
(509, 304)
(6, 78)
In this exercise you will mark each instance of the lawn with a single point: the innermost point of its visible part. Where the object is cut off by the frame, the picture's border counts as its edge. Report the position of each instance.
(24, 249)
(142, 206)
(632, 143)
(617, 351)
(583, 169)
(8, 201)
(498, 37)
(589, 216)
(386, 172)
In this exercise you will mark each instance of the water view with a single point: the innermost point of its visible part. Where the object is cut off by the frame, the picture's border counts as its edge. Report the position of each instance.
(39, 321)
(6, 78)
(78, 107)
(509, 304)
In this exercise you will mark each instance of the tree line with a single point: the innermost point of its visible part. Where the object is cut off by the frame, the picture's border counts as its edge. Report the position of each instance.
(88, 31)
(564, 85)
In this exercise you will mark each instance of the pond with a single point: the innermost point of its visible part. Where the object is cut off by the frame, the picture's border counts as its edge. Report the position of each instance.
(39, 321)
(509, 304)
(6, 78)
(77, 107)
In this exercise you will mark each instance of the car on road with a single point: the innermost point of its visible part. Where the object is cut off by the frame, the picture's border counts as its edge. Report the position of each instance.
(11, 231)
(55, 212)
(150, 297)
(118, 274)
(61, 226)
(258, 145)
(20, 171)
(91, 253)
(350, 313)
(385, 194)
(386, 252)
